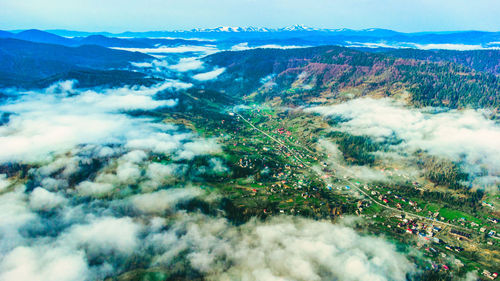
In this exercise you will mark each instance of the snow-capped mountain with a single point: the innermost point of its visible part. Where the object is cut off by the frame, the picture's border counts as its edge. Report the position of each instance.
(292, 28)
(296, 27)
(232, 29)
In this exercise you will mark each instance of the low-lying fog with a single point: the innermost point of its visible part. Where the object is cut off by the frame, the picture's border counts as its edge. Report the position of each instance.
(107, 190)
(467, 137)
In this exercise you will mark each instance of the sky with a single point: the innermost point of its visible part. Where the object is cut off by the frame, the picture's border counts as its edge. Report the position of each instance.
(145, 15)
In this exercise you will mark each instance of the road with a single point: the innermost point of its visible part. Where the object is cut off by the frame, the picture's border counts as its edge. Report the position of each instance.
(354, 185)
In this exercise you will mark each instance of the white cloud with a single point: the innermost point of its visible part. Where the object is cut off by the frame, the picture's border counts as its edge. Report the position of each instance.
(135, 156)
(465, 135)
(160, 201)
(98, 222)
(443, 46)
(283, 248)
(187, 64)
(42, 199)
(14, 211)
(88, 188)
(199, 147)
(49, 122)
(43, 264)
(206, 49)
(458, 47)
(14, 214)
(4, 182)
(211, 75)
(244, 47)
(155, 63)
(160, 173)
(105, 235)
(186, 145)
(371, 44)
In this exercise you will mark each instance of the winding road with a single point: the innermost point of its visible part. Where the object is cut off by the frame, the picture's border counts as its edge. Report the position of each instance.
(354, 185)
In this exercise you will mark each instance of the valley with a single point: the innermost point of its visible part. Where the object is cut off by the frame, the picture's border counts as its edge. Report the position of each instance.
(227, 159)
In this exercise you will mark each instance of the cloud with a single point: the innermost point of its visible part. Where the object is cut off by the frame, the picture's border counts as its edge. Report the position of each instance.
(134, 156)
(444, 46)
(245, 46)
(282, 248)
(372, 44)
(155, 63)
(105, 235)
(461, 135)
(46, 122)
(161, 174)
(207, 49)
(4, 182)
(199, 147)
(160, 201)
(14, 209)
(14, 214)
(109, 189)
(43, 264)
(42, 199)
(459, 47)
(88, 188)
(187, 64)
(211, 75)
(365, 173)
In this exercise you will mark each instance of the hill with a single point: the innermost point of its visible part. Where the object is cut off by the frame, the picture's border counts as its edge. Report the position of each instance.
(24, 62)
(104, 41)
(35, 35)
(300, 76)
(480, 60)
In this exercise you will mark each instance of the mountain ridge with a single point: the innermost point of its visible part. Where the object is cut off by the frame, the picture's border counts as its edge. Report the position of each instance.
(24, 62)
(297, 76)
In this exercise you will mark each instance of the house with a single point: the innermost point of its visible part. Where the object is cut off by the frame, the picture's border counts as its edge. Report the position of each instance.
(489, 275)
(486, 204)
(460, 234)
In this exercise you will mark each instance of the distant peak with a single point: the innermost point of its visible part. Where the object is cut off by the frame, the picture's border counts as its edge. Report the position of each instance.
(291, 28)
(231, 29)
(299, 27)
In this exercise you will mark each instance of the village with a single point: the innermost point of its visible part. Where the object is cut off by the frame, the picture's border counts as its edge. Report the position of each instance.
(277, 169)
(299, 183)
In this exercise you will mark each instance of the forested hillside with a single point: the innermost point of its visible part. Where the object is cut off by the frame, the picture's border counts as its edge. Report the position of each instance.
(330, 70)
(480, 60)
(24, 63)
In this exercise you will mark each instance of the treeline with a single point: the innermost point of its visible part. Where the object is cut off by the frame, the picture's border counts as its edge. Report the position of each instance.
(357, 150)
(445, 82)
(441, 83)
(442, 171)
(450, 85)
(469, 200)
(480, 60)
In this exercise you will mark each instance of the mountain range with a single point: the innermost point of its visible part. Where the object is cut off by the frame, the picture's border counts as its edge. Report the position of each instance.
(26, 64)
(301, 34)
(34, 58)
(299, 77)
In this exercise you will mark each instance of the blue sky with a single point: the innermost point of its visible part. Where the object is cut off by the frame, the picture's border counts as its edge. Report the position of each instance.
(142, 15)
